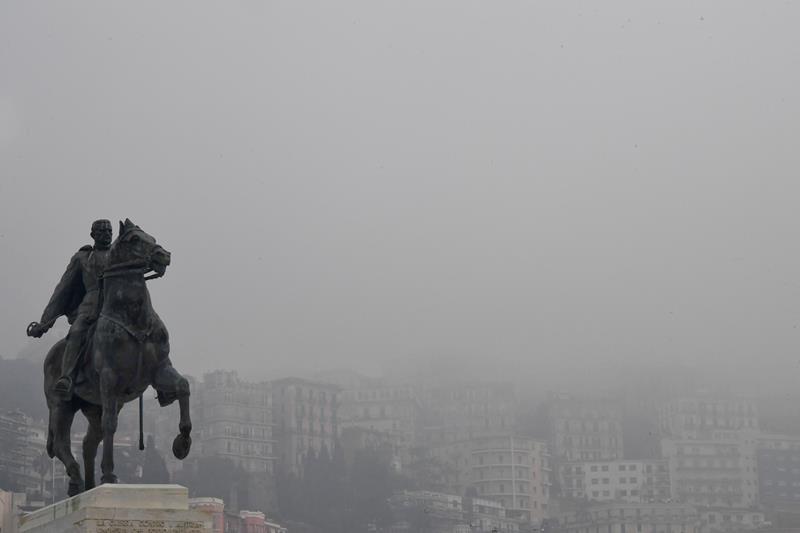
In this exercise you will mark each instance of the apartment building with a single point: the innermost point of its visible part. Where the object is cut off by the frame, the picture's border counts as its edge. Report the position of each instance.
(251, 522)
(514, 471)
(439, 512)
(712, 473)
(585, 430)
(484, 515)
(213, 507)
(628, 481)
(722, 520)
(378, 407)
(699, 416)
(463, 411)
(234, 418)
(778, 460)
(618, 517)
(21, 443)
(306, 419)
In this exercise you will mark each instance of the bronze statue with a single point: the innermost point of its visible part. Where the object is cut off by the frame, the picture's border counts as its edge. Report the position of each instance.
(126, 349)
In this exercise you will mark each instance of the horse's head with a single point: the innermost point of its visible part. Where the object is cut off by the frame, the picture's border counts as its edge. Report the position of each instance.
(136, 247)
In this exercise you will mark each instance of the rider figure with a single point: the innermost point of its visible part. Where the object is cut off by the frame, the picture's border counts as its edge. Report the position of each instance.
(77, 296)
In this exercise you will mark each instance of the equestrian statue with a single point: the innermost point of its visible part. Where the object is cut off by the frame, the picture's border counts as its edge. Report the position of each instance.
(117, 346)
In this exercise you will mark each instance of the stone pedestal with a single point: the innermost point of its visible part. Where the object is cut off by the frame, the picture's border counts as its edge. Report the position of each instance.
(120, 509)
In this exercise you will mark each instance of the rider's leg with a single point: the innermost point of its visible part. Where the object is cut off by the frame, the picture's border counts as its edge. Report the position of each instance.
(75, 338)
(169, 384)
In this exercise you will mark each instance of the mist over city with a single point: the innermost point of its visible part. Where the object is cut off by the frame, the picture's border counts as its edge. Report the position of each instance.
(443, 267)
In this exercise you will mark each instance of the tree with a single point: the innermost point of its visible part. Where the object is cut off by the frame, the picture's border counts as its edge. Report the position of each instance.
(430, 473)
(127, 464)
(154, 469)
(42, 465)
(217, 477)
(373, 482)
(333, 497)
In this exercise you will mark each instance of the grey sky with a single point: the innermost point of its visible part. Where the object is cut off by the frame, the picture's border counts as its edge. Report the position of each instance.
(348, 183)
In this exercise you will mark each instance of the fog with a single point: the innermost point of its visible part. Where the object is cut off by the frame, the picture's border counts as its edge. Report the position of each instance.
(532, 190)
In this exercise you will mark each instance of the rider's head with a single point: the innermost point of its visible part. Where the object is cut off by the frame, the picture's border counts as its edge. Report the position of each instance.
(101, 233)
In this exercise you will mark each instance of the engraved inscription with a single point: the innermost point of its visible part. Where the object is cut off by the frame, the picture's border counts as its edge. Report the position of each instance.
(148, 526)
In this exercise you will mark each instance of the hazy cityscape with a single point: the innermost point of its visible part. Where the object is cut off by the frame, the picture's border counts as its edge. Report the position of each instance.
(338, 451)
(424, 267)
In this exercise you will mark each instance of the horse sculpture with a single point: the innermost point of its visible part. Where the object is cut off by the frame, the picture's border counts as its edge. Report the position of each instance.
(127, 352)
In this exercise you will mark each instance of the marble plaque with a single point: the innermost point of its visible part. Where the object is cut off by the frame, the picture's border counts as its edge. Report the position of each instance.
(120, 509)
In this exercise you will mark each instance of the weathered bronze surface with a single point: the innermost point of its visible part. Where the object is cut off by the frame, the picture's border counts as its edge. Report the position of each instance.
(117, 346)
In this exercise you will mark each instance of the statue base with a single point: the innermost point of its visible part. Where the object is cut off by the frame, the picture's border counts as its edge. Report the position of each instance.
(120, 509)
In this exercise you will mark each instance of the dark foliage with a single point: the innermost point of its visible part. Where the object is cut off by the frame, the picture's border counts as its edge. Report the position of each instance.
(329, 496)
(154, 469)
(218, 477)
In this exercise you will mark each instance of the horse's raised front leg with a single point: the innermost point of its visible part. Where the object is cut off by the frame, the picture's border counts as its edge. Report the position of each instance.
(171, 386)
(62, 416)
(183, 441)
(109, 420)
(91, 441)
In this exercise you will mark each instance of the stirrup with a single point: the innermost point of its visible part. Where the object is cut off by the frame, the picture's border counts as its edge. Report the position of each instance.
(63, 387)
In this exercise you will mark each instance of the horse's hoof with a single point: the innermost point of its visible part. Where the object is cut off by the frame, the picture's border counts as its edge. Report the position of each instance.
(110, 478)
(74, 488)
(181, 446)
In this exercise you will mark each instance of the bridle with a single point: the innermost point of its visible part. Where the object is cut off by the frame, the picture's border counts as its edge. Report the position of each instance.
(139, 266)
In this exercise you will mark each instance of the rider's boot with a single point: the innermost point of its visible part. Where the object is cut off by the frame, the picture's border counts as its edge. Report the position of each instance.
(63, 387)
